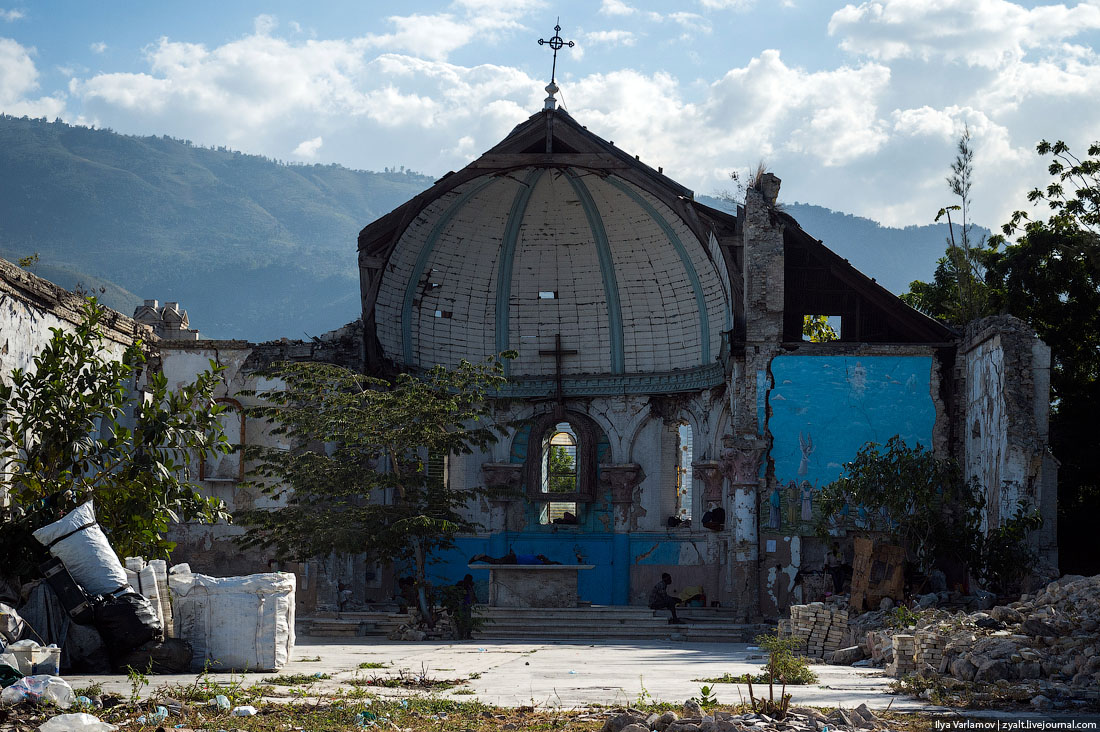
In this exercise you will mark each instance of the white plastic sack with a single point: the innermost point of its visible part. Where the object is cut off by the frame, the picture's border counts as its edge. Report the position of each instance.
(38, 688)
(76, 723)
(235, 623)
(86, 554)
(11, 624)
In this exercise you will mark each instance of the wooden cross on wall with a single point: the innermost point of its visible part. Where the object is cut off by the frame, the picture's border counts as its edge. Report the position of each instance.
(559, 353)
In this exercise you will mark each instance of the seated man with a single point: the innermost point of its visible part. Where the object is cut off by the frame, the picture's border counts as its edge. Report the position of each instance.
(659, 599)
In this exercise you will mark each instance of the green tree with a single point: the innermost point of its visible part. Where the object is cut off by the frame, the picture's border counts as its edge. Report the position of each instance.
(958, 292)
(919, 500)
(82, 425)
(562, 470)
(817, 329)
(355, 477)
(1050, 278)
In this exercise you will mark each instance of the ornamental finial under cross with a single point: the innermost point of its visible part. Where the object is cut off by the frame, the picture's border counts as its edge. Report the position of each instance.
(556, 43)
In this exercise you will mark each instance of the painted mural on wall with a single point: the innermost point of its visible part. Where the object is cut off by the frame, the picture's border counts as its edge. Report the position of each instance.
(823, 409)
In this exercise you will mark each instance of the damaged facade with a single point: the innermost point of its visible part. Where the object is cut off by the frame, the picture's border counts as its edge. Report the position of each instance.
(660, 348)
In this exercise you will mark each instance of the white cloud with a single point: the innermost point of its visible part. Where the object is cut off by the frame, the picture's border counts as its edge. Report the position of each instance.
(308, 148)
(98, 47)
(986, 33)
(611, 38)
(11, 15)
(264, 24)
(727, 4)
(18, 79)
(616, 7)
(691, 23)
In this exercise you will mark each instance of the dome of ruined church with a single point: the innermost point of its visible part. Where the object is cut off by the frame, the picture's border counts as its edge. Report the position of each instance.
(514, 257)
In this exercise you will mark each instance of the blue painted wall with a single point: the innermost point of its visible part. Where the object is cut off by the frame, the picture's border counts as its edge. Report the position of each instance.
(825, 408)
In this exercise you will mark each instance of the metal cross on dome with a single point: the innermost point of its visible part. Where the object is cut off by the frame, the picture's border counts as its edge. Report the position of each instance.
(556, 43)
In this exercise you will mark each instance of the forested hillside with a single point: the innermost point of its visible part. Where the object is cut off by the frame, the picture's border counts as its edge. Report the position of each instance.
(250, 247)
(893, 256)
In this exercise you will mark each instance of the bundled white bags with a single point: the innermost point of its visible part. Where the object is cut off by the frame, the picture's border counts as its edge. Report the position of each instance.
(235, 623)
(82, 547)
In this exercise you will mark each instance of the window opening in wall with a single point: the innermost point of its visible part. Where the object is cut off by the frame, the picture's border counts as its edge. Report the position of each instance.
(559, 474)
(821, 328)
(684, 446)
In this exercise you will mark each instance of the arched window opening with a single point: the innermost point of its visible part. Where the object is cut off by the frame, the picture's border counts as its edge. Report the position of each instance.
(559, 473)
(684, 480)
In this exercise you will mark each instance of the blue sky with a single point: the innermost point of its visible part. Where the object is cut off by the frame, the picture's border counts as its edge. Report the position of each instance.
(856, 106)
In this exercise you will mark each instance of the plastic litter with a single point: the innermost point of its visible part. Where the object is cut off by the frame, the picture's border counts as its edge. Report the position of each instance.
(76, 723)
(222, 701)
(245, 711)
(38, 688)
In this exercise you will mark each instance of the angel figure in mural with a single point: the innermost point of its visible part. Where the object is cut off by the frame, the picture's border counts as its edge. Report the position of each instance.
(792, 502)
(807, 501)
(773, 508)
(806, 445)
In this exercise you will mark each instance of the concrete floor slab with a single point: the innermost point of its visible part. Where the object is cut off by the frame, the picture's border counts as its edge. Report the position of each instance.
(559, 674)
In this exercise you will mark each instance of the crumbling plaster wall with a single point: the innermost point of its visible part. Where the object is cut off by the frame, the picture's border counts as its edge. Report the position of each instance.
(31, 306)
(211, 548)
(1005, 373)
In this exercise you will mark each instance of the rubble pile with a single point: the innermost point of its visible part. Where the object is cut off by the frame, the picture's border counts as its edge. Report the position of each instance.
(694, 719)
(822, 628)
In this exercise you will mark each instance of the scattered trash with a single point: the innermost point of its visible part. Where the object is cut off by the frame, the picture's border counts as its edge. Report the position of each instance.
(365, 719)
(83, 701)
(572, 671)
(221, 700)
(245, 711)
(76, 723)
(39, 688)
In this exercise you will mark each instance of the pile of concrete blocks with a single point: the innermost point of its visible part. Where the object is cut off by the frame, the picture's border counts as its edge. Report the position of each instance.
(821, 628)
(905, 652)
(929, 648)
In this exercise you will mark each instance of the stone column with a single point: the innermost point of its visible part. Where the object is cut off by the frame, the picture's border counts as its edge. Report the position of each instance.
(740, 461)
(502, 477)
(622, 480)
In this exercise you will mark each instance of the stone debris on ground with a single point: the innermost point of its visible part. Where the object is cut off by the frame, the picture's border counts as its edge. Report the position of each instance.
(693, 718)
(1042, 650)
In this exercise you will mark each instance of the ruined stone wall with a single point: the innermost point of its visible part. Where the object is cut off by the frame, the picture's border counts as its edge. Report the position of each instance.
(211, 548)
(30, 306)
(1004, 375)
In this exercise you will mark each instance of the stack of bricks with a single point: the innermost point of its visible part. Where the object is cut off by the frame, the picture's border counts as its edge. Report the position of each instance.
(929, 648)
(905, 652)
(821, 628)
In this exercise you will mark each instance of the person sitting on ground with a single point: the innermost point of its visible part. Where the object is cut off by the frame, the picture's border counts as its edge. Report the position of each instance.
(406, 593)
(715, 518)
(659, 599)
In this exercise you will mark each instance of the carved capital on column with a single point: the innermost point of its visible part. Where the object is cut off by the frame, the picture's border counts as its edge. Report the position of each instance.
(710, 472)
(740, 458)
(622, 479)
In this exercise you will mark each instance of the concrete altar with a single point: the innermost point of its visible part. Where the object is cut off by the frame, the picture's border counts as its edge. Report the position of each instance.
(532, 585)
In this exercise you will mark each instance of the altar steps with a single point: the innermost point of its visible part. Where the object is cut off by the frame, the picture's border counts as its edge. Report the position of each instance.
(614, 623)
(598, 622)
